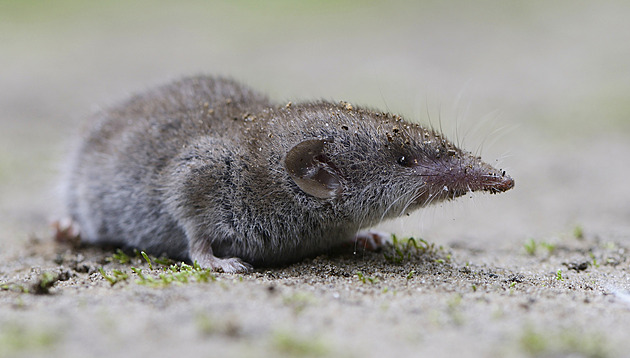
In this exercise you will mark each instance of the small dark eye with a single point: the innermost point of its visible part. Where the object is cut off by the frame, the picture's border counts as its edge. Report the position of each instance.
(403, 160)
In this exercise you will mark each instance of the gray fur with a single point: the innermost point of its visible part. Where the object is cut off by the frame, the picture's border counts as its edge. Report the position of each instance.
(196, 170)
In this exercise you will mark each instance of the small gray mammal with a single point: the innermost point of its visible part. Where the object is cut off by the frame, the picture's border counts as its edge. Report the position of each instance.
(208, 170)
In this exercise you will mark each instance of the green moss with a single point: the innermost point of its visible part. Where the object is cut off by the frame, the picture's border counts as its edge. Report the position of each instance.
(578, 232)
(146, 257)
(290, 344)
(559, 275)
(209, 326)
(299, 301)
(120, 257)
(454, 309)
(115, 277)
(14, 287)
(403, 249)
(530, 247)
(366, 279)
(17, 339)
(549, 247)
(563, 343)
(411, 274)
(161, 272)
(44, 283)
(174, 274)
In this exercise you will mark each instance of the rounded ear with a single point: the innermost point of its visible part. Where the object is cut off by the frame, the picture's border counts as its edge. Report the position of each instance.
(310, 169)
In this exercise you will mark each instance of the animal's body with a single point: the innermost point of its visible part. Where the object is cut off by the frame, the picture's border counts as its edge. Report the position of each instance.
(209, 170)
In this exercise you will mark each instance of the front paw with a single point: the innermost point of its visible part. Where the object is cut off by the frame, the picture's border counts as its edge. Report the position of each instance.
(371, 240)
(66, 231)
(229, 265)
(233, 265)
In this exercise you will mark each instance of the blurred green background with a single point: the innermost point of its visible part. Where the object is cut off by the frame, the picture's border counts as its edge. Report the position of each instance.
(542, 80)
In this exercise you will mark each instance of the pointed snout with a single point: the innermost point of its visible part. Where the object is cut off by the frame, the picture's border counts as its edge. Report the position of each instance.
(496, 183)
(458, 178)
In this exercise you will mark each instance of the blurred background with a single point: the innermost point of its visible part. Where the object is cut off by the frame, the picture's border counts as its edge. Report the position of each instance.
(541, 88)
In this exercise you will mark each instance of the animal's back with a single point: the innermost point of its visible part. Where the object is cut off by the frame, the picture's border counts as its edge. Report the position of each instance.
(115, 186)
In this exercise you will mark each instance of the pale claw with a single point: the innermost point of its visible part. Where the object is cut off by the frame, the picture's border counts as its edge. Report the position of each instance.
(230, 265)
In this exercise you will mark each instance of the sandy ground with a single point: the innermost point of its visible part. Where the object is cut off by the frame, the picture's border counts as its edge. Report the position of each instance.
(542, 270)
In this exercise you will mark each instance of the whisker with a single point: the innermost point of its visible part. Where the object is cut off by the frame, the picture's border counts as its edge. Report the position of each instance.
(390, 206)
(411, 201)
